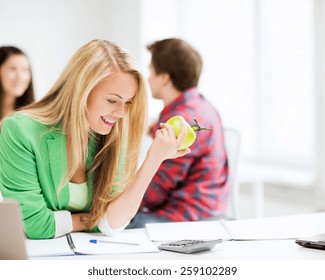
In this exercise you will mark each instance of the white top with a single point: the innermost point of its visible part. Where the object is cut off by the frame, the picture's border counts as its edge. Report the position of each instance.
(78, 202)
(78, 197)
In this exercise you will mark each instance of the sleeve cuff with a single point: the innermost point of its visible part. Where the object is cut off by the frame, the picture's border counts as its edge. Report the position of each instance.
(105, 228)
(63, 223)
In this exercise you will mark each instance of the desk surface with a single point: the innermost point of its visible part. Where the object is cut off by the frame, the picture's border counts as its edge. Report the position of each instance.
(228, 250)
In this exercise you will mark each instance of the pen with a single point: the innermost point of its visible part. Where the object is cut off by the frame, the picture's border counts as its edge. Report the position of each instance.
(95, 241)
(70, 241)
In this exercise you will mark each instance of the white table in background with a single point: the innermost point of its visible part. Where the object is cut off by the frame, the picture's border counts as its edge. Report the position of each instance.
(259, 174)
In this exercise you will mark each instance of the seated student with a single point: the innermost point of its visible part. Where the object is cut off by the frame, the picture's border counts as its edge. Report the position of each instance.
(16, 84)
(70, 159)
(193, 187)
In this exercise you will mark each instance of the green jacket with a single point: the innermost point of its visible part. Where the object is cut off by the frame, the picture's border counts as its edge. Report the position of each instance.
(33, 161)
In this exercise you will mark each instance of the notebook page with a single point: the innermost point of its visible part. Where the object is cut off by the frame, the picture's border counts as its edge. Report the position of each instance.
(48, 247)
(135, 236)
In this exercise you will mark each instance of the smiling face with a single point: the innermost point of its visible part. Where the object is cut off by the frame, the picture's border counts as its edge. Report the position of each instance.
(15, 75)
(109, 101)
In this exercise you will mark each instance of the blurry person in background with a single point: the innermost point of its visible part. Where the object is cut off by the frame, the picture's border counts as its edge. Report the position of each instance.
(16, 84)
(193, 187)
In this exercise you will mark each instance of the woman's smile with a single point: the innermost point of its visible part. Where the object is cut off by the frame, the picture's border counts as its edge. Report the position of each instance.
(108, 122)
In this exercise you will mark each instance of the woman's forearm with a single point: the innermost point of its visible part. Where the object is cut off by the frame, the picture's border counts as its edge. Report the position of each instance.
(122, 210)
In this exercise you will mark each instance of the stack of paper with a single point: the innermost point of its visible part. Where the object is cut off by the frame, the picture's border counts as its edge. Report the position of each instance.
(282, 227)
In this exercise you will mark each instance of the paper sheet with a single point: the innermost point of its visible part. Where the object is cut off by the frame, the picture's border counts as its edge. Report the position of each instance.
(187, 230)
(281, 227)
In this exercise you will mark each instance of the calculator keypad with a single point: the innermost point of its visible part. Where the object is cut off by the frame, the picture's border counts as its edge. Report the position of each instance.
(189, 246)
(184, 242)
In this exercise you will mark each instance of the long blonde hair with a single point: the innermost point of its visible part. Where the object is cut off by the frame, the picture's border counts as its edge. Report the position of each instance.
(66, 104)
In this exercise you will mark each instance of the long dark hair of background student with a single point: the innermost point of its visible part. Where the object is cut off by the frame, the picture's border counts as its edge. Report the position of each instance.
(27, 96)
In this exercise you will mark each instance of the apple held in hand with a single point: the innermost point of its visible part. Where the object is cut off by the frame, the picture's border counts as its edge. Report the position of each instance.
(176, 123)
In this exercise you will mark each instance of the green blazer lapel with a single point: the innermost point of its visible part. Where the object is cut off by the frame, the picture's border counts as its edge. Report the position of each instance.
(58, 165)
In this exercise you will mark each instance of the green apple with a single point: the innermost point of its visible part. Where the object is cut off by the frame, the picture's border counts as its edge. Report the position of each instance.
(176, 123)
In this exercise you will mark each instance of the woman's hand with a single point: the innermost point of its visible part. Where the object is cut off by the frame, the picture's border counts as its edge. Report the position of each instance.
(78, 221)
(165, 144)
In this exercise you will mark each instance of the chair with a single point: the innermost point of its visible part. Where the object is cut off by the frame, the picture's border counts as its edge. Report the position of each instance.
(232, 145)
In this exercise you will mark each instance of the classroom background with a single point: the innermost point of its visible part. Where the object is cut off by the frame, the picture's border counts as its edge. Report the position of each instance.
(263, 69)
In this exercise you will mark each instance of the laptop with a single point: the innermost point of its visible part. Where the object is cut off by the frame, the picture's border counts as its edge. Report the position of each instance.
(315, 242)
(12, 236)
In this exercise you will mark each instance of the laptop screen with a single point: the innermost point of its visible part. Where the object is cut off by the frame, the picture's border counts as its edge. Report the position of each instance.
(12, 237)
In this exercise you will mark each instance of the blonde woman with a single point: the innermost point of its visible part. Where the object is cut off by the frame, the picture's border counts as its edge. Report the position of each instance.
(70, 159)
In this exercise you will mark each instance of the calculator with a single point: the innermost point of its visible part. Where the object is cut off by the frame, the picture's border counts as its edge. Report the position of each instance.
(189, 246)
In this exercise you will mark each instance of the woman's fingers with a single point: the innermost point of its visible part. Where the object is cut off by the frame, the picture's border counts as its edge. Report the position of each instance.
(168, 143)
(181, 136)
(171, 133)
(168, 129)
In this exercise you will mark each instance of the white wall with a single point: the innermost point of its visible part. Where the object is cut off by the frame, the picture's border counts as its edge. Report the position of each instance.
(320, 102)
(51, 31)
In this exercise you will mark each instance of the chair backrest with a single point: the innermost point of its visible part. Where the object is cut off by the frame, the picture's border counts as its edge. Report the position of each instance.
(232, 144)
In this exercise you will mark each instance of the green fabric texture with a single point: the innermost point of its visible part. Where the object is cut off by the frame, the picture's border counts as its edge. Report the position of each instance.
(33, 161)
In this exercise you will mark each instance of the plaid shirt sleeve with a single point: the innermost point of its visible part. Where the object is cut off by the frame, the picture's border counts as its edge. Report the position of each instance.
(194, 186)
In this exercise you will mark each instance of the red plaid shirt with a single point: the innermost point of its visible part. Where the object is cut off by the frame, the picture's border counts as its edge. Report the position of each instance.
(192, 187)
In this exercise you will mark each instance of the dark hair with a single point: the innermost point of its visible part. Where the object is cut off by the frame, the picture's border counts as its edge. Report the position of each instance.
(28, 96)
(178, 59)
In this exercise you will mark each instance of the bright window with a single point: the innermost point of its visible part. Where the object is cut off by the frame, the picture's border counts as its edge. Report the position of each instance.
(258, 68)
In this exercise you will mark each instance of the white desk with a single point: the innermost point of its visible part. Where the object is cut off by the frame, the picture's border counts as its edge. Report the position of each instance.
(285, 249)
(267, 259)
(228, 250)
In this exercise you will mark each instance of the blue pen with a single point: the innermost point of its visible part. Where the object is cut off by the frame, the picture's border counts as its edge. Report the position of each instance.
(95, 241)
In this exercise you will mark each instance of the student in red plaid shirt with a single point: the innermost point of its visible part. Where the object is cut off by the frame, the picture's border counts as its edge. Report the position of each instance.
(193, 187)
